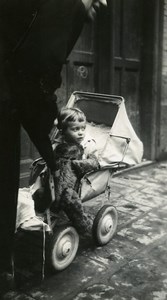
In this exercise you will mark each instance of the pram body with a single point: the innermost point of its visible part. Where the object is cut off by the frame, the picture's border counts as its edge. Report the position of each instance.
(118, 145)
(119, 148)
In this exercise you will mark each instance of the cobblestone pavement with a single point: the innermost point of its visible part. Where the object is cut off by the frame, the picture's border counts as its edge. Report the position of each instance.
(133, 265)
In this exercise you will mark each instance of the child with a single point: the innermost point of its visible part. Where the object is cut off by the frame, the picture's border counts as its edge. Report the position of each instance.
(75, 154)
(69, 132)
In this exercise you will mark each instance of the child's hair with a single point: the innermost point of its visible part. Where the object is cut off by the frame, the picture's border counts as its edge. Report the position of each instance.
(71, 114)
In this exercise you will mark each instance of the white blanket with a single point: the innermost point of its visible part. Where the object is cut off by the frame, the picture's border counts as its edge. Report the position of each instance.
(26, 216)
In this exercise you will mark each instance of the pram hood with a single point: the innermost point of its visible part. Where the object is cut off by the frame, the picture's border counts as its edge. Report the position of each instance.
(117, 144)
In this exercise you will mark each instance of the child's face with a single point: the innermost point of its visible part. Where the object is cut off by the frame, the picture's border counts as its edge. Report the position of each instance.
(75, 132)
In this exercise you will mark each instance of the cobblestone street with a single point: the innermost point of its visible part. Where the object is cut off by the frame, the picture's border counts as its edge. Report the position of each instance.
(133, 265)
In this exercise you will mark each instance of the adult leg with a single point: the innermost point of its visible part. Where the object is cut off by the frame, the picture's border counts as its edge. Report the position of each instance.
(9, 182)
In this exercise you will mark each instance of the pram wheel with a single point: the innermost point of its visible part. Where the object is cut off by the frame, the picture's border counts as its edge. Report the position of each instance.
(63, 248)
(105, 224)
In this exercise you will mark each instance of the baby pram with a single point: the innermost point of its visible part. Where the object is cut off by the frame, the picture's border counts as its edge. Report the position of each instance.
(119, 148)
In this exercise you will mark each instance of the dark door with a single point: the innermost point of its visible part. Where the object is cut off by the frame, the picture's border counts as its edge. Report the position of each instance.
(123, 56)
(129, 47)
(127, 55)
(79, 71)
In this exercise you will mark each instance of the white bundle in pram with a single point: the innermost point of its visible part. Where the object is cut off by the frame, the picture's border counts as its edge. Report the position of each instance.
(26, 215)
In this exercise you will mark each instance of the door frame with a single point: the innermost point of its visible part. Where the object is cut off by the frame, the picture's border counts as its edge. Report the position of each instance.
(151, 74)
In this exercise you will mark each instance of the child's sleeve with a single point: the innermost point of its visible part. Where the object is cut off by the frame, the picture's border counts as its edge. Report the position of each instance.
(87, 165)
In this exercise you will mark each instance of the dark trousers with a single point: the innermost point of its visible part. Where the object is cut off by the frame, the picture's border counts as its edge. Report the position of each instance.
(9, 183)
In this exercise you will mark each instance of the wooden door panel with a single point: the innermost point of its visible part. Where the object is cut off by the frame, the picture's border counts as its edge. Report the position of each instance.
(78, 72)
(86, 40)
(132, 18)
(80, 67)
(81, 77)
(131, 91)
(127, 24)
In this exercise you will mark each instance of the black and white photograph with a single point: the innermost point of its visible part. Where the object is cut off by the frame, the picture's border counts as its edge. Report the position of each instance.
(83, 149)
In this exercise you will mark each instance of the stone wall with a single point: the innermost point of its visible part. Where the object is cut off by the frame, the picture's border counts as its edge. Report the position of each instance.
(163, 125)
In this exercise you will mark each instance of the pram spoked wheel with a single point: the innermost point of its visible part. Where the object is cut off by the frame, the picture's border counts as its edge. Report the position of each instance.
(63, 248)
(105, 224)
